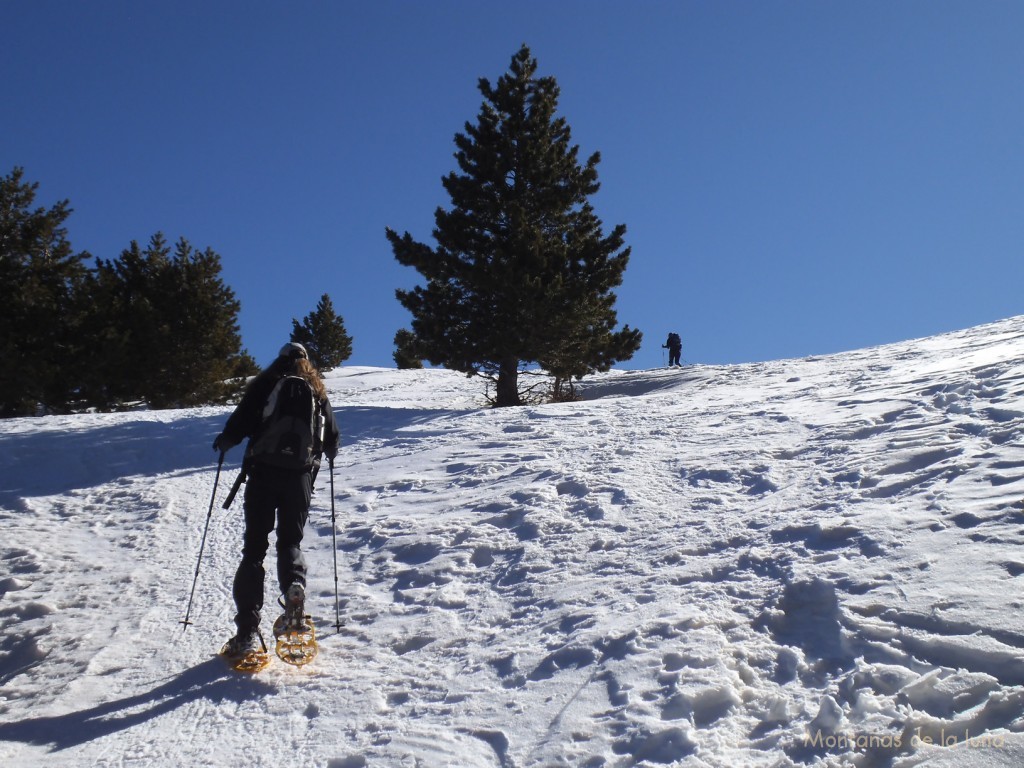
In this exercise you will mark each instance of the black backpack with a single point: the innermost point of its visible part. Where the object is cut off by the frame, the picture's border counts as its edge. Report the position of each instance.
(291, 435)
(674, 340)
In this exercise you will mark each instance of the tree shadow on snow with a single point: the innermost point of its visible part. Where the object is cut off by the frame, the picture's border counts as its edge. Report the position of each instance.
(359, 423)
(50, 462)
(211, 681)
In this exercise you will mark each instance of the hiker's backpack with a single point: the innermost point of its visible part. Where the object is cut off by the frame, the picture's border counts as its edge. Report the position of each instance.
(292, 430)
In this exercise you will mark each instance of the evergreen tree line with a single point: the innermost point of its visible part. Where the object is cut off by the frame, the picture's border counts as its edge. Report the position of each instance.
(156, 326)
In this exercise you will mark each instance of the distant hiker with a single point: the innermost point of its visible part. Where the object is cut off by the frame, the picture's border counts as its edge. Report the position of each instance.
(674, 345)
(288, 419)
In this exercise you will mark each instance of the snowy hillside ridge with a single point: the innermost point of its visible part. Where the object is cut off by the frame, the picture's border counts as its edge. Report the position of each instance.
(802, 562)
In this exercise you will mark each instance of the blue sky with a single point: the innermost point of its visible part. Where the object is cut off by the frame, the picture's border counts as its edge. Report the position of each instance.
(796, 178)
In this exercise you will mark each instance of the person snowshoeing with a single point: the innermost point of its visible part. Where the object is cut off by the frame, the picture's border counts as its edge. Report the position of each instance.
(674, 345)
(289, 421)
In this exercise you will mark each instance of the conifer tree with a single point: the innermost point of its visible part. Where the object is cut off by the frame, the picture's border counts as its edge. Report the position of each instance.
(202, 354)
(406, 355)
(168, 327)
(522, 272)
(40, 277)
(322, 333)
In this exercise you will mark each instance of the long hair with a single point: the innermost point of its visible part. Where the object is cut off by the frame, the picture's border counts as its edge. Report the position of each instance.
(298, 366)
(302, 367)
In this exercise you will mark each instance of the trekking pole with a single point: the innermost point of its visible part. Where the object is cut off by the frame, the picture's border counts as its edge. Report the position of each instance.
(334, 547)
(202, 545)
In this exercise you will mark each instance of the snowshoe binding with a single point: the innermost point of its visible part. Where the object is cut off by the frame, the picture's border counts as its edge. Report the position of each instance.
(293, 631)
(246, 652)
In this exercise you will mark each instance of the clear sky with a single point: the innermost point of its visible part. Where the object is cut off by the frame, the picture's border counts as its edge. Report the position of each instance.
(796, 178)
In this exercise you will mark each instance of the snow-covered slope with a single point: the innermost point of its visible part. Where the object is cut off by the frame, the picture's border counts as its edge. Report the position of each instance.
(813, 562)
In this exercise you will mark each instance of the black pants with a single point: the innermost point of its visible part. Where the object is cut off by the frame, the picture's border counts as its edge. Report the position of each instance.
(269, 494)
(673, 355)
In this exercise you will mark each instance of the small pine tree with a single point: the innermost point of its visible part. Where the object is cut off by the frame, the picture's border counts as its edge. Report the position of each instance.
(322, 333)
(406, 355)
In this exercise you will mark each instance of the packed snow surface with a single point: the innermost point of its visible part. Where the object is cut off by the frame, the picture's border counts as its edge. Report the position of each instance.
(802, 562)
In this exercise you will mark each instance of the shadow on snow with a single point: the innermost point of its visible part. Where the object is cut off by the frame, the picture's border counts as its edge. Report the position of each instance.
(210, 681)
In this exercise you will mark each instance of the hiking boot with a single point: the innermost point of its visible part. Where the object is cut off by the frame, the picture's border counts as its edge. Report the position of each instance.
(295, 602)
(244, 642)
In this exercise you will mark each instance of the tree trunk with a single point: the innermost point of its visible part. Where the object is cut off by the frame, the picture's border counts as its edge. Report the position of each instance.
(508, 383)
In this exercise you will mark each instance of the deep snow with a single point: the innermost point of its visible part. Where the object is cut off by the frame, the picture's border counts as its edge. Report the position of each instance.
(808, 561)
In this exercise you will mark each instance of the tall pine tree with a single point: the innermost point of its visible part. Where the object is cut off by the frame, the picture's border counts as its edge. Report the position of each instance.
(203, 357)
(522, 272)
(40, 278)
(322, 333)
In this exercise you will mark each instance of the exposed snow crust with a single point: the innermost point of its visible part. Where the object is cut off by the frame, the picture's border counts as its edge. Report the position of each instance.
(802, 562)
